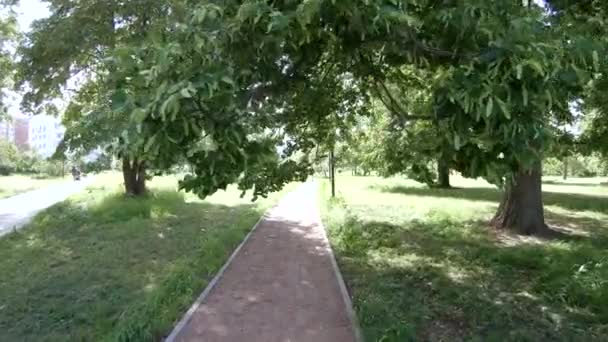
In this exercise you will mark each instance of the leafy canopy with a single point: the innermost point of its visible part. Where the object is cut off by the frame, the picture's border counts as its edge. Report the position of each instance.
(222, 84)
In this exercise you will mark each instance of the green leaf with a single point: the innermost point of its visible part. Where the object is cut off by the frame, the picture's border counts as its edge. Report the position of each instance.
(489, 107)
(596, 60)
(536, 66)
(174, 109)
(185, 93)
(457, 142)
(139, 115)
(118, 100)
(149, 143)
(520, 70)
(186, 127)
(228, 80)
(163, 108)
(503, 108)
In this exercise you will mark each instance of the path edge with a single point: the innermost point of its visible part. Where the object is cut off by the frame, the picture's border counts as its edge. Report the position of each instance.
(350, 312)
(201, 298)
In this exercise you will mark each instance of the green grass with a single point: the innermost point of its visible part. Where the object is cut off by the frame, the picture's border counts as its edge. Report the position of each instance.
(17, 184)
(422, 264)
(104, 267)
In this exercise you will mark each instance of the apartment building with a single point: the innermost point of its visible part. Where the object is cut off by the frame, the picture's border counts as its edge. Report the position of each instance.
(7, 130)
(15, 129)
(44, 134)
(21, 128)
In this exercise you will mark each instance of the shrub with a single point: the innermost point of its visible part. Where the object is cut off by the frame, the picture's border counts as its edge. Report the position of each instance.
(51, 168)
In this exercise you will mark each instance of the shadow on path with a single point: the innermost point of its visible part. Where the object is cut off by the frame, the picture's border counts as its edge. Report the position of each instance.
(280, 286)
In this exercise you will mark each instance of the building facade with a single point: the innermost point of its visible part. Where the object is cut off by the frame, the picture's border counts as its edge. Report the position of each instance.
(15, 130)
(7, 130)
(21, 128)
(44, 134)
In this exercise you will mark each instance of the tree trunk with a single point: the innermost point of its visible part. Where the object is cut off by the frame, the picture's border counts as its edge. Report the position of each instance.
(521, 209)
(134, 174)
(565, 168)
(443, 172)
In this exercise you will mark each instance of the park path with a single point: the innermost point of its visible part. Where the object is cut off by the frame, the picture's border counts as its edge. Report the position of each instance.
(281, 286)
(17, 211)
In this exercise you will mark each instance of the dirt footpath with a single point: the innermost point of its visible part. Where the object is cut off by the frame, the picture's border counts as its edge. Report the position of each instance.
(280, 287)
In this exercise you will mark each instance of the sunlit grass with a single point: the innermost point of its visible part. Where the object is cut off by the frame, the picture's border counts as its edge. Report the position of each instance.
(423, 265)
(105, 267)
(16, 184)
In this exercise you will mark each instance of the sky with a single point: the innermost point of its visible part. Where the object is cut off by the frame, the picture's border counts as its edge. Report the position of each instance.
(30, 10)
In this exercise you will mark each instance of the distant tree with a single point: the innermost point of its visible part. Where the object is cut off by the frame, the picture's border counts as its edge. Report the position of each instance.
(591, 17)
(412, 139)
(9, 34)
(8, 157)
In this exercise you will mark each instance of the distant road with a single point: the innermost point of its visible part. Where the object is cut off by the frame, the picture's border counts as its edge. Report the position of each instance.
(18, 210)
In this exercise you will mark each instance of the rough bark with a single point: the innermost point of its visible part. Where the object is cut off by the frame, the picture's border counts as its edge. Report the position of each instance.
(565, 175)
(443, 172)
(521, 209)
(134, 174)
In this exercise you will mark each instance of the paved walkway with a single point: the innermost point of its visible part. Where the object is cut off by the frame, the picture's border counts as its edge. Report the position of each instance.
(16, 211)
(280, 287)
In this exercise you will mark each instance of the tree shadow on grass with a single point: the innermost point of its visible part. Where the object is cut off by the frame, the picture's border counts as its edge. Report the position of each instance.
(580, 226)
(119, 269)
(579, 202)
(441, 281)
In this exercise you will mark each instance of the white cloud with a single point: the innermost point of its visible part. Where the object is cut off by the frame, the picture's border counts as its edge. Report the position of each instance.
(30, 10)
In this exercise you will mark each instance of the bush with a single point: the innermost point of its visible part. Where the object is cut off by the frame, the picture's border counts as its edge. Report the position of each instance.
(50, 168)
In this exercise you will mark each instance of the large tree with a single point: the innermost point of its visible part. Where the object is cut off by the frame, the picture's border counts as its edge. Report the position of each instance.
(503, 93)
(80, 67)
(248, 72)
(226, 83)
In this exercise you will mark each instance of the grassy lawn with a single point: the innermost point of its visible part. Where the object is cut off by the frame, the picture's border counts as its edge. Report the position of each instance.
(16, 184)
(422, 265)
(103, 267)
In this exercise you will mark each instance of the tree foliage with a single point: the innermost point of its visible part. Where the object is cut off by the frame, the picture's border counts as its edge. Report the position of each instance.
(590, 17)
(8, 37)
(83, 64)
(221, 84)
